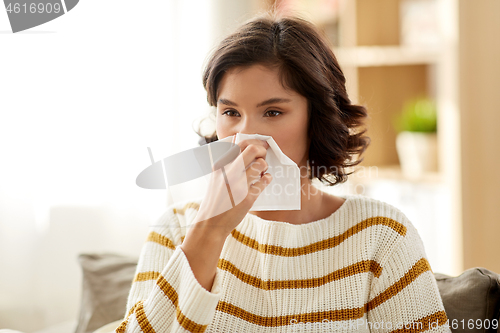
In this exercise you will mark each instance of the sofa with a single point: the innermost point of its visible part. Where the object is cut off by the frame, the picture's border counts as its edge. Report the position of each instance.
(471, 300)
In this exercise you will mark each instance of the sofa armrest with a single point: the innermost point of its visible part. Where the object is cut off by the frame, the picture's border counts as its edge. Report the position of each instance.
(471, 300)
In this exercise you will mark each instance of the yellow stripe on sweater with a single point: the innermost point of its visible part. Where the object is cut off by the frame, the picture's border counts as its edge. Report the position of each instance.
(321, 245)
(182, 211)
(313, 317)
(418, 268)
(143, 321)
(123, 325)
(172, 295)
(188, 324)
(357, 268)
(160, 239)
(334, 315)
(145, 276)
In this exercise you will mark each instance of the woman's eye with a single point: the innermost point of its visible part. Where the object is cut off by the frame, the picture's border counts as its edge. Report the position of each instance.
(230, 113)
(273, 113)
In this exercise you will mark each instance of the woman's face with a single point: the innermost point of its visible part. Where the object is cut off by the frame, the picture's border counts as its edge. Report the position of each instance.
(252, 101)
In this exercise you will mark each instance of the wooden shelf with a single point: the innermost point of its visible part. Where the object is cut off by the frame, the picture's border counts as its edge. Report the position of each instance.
(372, 56)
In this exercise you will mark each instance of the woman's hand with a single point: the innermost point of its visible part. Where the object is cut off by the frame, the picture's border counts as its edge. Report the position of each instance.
(234, 188)
(231, 193)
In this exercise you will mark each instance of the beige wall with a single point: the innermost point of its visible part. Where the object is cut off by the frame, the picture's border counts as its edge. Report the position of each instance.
(479, 102)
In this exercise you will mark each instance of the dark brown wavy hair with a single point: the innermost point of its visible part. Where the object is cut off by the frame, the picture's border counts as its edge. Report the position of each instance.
(307, 65)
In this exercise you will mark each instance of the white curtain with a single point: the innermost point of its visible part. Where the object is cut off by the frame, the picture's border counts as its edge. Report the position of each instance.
(81, 99)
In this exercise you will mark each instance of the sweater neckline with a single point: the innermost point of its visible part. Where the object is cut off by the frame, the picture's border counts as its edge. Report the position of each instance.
(343, 207)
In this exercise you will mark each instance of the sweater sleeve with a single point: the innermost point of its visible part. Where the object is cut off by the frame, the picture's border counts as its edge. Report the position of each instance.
(165, 295)
(405, 297)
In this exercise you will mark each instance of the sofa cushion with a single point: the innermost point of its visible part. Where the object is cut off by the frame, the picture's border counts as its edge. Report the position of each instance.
(107, 279)
(471, 300)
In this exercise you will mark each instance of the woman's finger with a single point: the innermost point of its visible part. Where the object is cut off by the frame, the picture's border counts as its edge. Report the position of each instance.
(244, 143)
(256, 169)
(252, 152)
(257, 188)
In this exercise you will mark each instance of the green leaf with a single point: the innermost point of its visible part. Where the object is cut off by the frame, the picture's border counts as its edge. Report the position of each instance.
(418, 115)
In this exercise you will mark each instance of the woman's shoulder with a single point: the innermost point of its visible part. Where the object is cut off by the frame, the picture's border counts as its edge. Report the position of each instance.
(385, 226)
(370, 212)
(366, 207)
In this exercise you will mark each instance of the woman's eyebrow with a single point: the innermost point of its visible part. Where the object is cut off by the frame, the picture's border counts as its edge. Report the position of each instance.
(274, 101)
(266, 102)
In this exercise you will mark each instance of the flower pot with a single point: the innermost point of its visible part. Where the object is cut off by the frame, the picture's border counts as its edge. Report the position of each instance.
(417, 152)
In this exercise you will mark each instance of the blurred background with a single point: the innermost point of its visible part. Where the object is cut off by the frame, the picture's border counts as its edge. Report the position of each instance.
(83, 96)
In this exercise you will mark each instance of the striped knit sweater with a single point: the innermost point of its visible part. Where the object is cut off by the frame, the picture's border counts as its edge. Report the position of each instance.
(362, 269)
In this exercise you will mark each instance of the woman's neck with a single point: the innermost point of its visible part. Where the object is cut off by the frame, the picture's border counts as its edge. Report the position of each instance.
(315, 205)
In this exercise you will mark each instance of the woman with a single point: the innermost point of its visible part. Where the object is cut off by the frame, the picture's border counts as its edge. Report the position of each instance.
(338, 264)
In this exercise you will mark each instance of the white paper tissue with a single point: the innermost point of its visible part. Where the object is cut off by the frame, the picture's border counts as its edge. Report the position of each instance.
(283, 193)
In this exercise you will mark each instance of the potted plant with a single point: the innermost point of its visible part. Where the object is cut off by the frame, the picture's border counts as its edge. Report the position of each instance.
(416, 142)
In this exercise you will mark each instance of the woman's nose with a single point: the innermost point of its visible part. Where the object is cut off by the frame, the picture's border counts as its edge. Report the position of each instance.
(247, 127)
